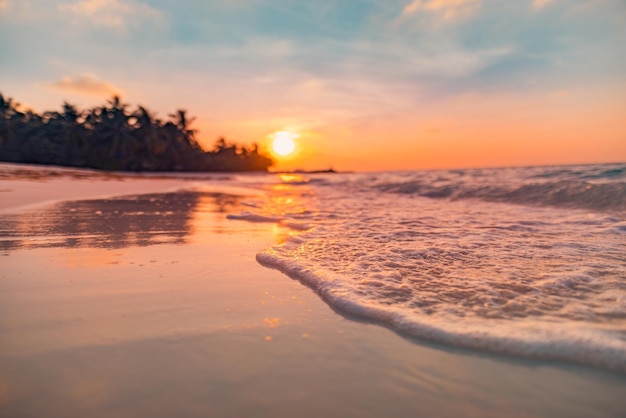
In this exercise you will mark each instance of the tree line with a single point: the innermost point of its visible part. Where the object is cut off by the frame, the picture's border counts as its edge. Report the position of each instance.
(112, 137)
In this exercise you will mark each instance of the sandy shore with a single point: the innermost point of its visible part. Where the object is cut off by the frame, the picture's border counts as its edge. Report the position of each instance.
(155, 306)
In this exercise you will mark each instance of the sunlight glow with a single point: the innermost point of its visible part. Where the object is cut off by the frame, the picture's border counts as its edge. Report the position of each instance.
(283, 142)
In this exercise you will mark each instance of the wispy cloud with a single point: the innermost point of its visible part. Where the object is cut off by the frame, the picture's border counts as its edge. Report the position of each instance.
(540, 4)
(258, 48)
(113, 14)
(450, 9)
(86, 84)
(457, 63)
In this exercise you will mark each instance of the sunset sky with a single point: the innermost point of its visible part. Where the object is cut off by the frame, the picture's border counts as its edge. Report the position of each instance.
(361, 84)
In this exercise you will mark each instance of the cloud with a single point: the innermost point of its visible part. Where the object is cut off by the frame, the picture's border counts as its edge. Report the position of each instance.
(540, 4)
(5, 5)
(457, 63)
(112, 14)
(86, 84)
(449, 8)
(258, 48)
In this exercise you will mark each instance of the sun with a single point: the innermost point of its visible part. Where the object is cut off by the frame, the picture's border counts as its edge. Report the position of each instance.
(283, 143)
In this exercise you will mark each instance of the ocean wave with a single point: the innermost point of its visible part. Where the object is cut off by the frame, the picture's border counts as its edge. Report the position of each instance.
(603, 348)
(430, 255)
(594, 189)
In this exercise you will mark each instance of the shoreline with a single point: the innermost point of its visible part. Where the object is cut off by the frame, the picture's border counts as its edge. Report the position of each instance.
(173, 316)
(39, 186)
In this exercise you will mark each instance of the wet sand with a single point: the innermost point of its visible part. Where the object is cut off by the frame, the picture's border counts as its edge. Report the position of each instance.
(153, 305)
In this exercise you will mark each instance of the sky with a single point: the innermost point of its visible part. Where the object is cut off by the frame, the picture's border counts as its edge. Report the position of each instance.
(362, 84)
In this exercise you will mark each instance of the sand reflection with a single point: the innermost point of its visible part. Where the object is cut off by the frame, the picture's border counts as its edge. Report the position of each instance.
(141, 220)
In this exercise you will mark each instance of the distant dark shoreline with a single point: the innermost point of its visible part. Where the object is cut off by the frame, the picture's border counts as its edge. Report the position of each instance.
(112, 138)
(328, 171)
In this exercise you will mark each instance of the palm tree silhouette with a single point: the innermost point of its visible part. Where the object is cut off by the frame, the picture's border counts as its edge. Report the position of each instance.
(111, 137)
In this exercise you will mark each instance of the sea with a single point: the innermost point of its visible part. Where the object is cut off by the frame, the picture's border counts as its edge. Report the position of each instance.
(525, 261)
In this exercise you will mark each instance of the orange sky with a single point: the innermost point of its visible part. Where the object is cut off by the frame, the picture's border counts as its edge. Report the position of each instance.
(566, 127)
(366, 85)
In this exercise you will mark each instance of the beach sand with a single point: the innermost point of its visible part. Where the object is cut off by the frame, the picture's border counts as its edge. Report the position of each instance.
(154, 306)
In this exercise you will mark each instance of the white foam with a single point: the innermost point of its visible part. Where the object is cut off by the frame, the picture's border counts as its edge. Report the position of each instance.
(561, 341)
(529, 281)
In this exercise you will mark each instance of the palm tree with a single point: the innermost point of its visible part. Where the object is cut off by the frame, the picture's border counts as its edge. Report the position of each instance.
(111, 137)
(117, 147)
(146, 132)
(182, 123)
(9, 114)
(74, 134)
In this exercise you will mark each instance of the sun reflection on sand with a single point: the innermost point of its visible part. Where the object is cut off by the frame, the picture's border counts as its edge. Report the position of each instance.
(286, 197)
(118, 261)
(164, 218)
(209, 214)
(91, 258)
(272, 323)
(281, 233)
